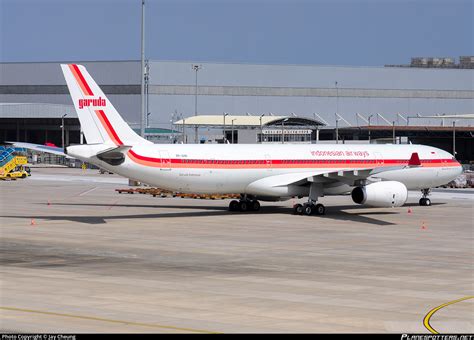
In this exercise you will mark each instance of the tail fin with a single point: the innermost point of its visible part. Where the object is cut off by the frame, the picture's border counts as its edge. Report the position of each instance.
(100, 121)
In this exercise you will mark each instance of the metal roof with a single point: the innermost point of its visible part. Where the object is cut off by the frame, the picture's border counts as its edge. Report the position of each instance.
(353, 93)
(36, 110)
(156, 131)
(245, 121)
(460, 116)
(408, 128)
(310, 76)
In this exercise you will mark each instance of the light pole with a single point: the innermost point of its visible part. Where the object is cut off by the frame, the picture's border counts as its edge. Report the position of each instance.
(148, 120)
(337, 110)
(393, 133)
(147, 104)
(454, 138)
(175, 113)
(62, 129)
(142, 74)
(283, 130)
(196, 68)
(182, 119)
(370, 116)
(232, 122)
(317, 126)
(261, 129)
(223, 130)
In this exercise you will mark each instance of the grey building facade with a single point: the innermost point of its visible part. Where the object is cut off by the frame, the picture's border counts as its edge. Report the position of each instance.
(349, 95)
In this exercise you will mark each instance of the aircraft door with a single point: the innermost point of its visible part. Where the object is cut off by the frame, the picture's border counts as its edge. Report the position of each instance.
(268, 162)
(165, 160)
(379, 161)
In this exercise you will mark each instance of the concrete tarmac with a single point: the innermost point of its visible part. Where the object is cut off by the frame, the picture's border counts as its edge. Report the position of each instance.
(75, 256)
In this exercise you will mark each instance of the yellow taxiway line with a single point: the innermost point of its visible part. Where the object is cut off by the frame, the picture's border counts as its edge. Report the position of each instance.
(93, 318)
(426, 320)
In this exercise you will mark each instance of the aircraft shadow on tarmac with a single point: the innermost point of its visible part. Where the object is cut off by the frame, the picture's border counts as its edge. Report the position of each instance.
(333, 212)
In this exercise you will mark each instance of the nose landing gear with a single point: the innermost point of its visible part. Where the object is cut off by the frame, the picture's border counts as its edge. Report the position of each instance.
(425, 201)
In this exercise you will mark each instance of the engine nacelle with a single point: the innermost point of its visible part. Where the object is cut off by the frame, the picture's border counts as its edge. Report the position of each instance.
(381, 194)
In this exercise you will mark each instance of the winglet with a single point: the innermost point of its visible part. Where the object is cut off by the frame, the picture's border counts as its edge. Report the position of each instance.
(414, 160)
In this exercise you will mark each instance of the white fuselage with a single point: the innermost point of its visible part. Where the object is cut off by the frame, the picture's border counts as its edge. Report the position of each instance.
(250, 169)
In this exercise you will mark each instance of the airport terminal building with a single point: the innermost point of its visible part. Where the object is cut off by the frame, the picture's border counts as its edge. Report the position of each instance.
(353, 103)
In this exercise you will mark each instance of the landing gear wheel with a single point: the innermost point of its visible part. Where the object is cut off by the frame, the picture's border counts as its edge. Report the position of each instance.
(298, 209)
(308, 209)
(255, 205)
(426, 202)
(243, 206)
(320, 209)
(234, 205)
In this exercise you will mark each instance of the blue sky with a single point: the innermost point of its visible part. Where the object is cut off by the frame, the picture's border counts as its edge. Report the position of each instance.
(327, 32)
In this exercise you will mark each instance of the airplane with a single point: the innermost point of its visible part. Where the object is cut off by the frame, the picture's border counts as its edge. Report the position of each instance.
(374, 175)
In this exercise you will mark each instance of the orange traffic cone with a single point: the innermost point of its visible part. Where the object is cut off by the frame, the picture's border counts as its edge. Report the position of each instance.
(33, 222)
(423, 226)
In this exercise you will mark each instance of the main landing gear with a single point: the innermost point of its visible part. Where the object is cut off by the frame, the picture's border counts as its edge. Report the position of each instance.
(309, 209)
(244, 205)
(425, 201)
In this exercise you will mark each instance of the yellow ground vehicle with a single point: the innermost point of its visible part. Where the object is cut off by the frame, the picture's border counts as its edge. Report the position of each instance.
(18, 172)
(12, 164)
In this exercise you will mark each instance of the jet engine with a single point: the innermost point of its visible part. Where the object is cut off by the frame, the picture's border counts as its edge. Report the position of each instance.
(381, 194)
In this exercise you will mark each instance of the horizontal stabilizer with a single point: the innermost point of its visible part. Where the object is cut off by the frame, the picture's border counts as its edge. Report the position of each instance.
(122, 149)
(114, 156)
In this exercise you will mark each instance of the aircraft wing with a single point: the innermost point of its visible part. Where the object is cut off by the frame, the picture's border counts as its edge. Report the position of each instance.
(300, 178)
(40, 148)
(346, 175)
